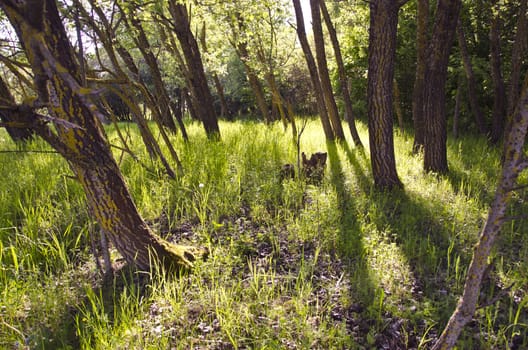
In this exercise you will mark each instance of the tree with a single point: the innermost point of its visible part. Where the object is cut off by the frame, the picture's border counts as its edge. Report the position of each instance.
(470, 75)
(515, 161)
(199, 88)
(349, 113)
(422, 22)
(435, 76)
(324, 76)
(79, 137)
(499, 90)
(382, 53)
(314, 74)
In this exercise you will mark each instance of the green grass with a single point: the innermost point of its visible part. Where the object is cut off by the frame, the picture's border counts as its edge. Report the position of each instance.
(292, 265)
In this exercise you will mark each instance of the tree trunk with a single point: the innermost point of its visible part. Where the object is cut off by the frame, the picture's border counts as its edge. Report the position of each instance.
(499, 95)
(444, 27)
(456, 115)
(382, 53)
(422, 20)
(18, 133)
(80, 138)
(312, 68)
(472, 84)
(519, 46)
(515, 162)
(349, 112)
(324, 76)
(199, 87)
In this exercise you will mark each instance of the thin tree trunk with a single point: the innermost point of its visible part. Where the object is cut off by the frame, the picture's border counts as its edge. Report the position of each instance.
(456, 115)
(499, 95)
(472, 84)
(312, 68)
(515, 161)
(349, 112)
(397, 106)
(422, 23)
(324, 76)
(382, 54)
(444, 28)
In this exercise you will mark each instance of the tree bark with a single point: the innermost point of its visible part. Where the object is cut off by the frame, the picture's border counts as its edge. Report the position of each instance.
(199, 87)
(324, 76)
(422, 22)
(80, 139)
(312, 68)
(515, 162)
(18, 133)
(444, 27)
(349, 112)
(382, 54)
(456, 114)
(499, 95)
(470, 76)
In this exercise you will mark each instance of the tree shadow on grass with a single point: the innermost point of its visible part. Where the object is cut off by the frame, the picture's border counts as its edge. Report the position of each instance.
(350, 245)
(415, 229)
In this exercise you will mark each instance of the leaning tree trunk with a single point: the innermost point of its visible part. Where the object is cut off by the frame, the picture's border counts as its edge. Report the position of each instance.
(515, 161)
(349, 112)
(312, 68)
(382, 53)
(434, 109)
(324, 76)
(80, 138)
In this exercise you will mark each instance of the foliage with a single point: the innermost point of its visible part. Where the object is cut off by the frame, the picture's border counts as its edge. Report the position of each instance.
(291, 265)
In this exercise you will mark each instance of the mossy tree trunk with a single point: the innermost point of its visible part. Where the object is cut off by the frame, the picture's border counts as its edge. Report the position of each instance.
(80, 138)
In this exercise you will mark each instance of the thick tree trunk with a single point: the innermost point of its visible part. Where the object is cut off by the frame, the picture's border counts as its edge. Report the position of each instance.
(80, 138)
(324, 76)
(312, 68)
(382, 53)
(422, 21)
(199, 87)
(349, 112)
(444, 28)
(499, 95)
(472, 84)
(515, 162)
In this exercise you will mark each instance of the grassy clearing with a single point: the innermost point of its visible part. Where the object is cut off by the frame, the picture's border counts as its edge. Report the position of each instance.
(292, 265)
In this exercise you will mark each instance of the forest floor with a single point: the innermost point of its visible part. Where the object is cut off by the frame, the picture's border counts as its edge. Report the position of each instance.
(293, 264)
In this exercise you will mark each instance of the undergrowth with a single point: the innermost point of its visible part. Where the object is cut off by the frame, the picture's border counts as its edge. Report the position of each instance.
(293, 265)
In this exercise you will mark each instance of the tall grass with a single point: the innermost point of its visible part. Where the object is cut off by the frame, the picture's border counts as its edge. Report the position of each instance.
(292, 265)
